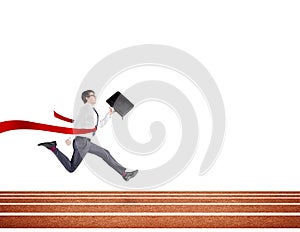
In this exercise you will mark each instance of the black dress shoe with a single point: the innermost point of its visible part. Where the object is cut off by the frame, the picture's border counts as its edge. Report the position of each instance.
(128, 175)
(48, 145)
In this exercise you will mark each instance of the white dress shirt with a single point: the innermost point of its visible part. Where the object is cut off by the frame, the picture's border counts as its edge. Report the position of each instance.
(87, 119)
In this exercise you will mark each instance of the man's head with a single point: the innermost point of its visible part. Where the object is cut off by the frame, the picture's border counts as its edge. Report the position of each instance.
(89, 96)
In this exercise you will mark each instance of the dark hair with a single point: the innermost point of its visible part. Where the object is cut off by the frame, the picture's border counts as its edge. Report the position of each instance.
(86, 94)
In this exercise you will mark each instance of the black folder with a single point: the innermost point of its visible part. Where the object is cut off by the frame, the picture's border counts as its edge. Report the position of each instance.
(120, 103)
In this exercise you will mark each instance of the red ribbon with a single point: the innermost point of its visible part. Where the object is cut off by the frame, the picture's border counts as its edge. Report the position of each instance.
(20, 124)
(62, 117)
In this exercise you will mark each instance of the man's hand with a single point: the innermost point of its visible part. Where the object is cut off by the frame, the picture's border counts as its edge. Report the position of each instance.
(111, 111)
(68, 142)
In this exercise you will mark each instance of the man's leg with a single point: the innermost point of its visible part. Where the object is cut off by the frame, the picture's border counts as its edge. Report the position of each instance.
(72, 165)
(80, 146)
(107, 157)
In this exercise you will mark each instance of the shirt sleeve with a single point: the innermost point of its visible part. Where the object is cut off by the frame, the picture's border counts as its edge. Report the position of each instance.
(104, 120)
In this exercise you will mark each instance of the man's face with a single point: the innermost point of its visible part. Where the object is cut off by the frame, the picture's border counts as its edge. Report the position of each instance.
(91, 98)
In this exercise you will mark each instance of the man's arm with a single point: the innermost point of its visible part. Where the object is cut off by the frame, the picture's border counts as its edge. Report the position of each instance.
(106, 118)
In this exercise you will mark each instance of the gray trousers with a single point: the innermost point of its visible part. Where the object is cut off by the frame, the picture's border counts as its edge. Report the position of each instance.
(82, 146)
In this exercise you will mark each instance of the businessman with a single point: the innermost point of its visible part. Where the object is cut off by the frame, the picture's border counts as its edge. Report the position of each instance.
(88, 118)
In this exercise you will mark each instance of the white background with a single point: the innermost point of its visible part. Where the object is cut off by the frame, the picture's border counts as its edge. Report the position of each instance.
(251, 48)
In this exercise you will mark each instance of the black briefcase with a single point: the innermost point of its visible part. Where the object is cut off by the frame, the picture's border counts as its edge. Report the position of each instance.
(120, 103)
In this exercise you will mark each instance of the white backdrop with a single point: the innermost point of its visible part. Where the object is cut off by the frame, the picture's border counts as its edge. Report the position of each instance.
(251, 48)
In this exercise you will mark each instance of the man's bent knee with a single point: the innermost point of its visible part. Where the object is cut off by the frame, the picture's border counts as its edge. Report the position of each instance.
(71, 169)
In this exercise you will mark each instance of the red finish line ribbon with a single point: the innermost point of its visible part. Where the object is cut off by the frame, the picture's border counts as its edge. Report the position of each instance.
(63, 117)
(20, 124)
